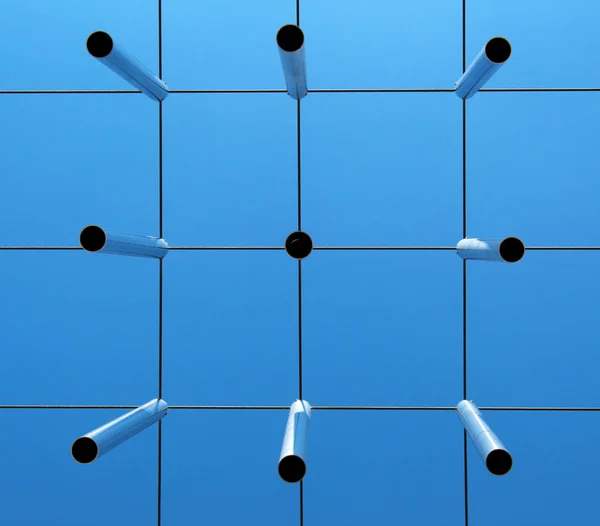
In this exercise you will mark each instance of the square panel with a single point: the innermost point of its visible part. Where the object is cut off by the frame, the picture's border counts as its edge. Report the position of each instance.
(44, 43)
(531, 328)
(224, 44)
(554, 464)
(550, 41)
(47, 486)
(385, 468)
(78, 328)
(382, 44)
(75, 160)
(382, 169)
(220, 468)
(531, 168)
(230, 328)
(230, 169)
(382, 328)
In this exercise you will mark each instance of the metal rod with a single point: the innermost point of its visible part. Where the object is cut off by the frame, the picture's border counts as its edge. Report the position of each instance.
(96, 239)
(101, 440)
(497, 459)
(290, 43)
(292, 463)
(507, 250)
(102, 47)
(489, 60)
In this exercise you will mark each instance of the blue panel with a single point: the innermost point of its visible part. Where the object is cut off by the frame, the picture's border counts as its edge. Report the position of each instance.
(532, 337)
(224, 44)
(551, 40)
(230, 169)
(221, 467)
(384, 468)
(47, 42)
(118, 490)
(382, 169)
(382, 44)
(382, 328)
(555, 461)
(80, 329)
(532, 161)
(75, 160)
(231, 323)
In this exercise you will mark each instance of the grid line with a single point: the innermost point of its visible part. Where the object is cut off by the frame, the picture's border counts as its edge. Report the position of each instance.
(415, 248)
(159, 474)
(318, 90)
(466, 476)
(464, 263)
(301, 503)
(160, 267)
(313, 408)
(300, 330)
(299, 170)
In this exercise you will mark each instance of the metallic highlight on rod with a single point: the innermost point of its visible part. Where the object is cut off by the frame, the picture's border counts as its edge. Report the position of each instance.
(497, 459)
(290, 41)
(96, 443)
(102, 47)
(508, 250)
(95, 239)
(292, 464)
(489, 60)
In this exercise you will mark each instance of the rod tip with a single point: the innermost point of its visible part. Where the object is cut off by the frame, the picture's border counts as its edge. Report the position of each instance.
(512, 249)
(292, 468)
(99, 44)
(92, 238)
(298, 245)
(290, 38)
(498, 462)
(84, 450)
(498, 50)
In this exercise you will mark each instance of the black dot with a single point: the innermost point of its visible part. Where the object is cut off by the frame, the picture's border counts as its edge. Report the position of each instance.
(499, 462)
(99, 44)
(498, 50)
(298, 245)
(84, 450)
(290, 38)
(92, 238)
(292, 468)
(512, 249)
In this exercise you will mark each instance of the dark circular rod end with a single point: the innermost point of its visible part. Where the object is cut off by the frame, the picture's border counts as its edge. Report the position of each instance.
(498, 50)
(290, 38)
(298, 245)
(512, 249)
(99, 44)
(84, 450)
(292, 469)
(498, 462)
(92, 238)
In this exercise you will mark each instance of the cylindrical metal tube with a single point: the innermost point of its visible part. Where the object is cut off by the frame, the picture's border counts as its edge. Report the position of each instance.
(292, 463)
(96, 239)
(497, 459)
(290, 41)
(101, 46)
(489, 60)
(89, 447)
(509, 249)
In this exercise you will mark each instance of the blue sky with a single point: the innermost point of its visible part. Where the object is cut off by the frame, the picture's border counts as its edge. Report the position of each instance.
(381, 328)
